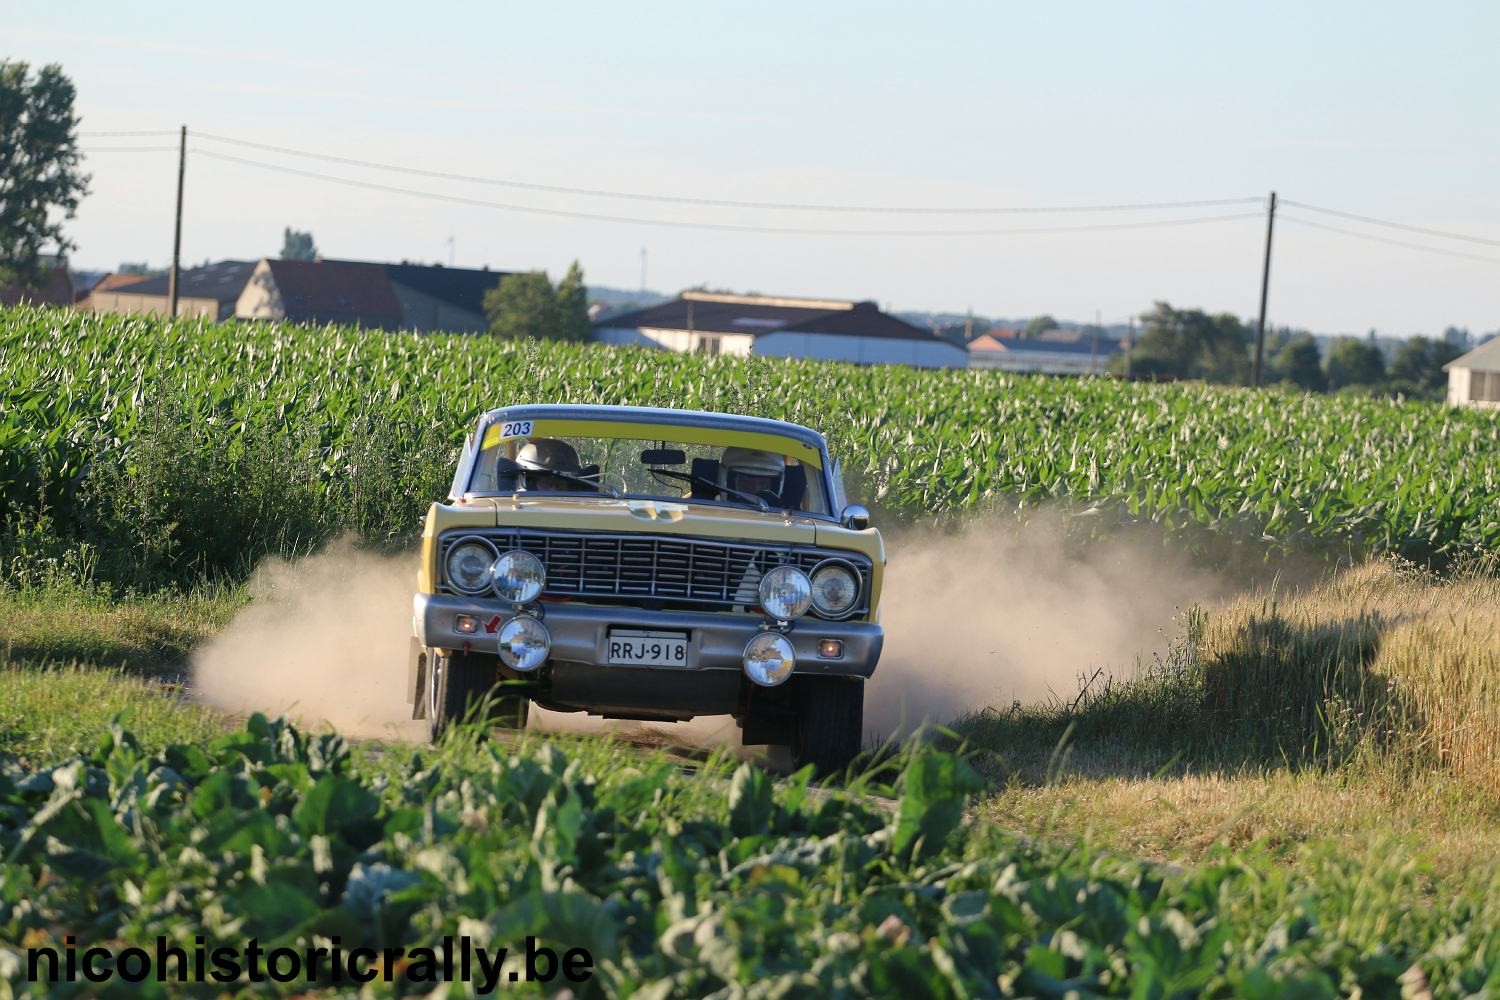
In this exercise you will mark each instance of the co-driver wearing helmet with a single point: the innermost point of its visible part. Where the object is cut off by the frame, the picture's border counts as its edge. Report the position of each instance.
(758, 473)
(541, 459)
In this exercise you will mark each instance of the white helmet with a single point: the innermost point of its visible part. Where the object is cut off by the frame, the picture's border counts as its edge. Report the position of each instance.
(750, 471)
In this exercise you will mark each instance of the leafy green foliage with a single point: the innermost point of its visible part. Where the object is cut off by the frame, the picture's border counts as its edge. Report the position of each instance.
(526, 305)
(39, 164)
(297, 245)
(675, 887)
(166, 451)
(1190, 344)
(1354, 362)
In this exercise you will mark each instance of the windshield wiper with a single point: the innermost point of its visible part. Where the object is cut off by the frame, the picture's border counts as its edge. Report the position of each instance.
(511, 467)
(597, 483)
(688, 477)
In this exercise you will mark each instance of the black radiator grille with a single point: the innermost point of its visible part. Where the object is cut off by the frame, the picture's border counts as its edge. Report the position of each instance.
(676, 571)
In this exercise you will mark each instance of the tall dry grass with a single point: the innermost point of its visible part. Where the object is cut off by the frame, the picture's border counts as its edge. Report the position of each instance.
(1380, 662)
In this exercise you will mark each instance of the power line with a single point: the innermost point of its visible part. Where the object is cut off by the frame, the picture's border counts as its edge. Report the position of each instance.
(1393, 225)
(1386, 240)
(726, 227)
(722, 202)
(146, 132)
(128, 149)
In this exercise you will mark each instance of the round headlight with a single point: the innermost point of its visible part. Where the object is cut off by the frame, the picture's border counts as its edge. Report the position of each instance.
(835, 588)
(769, 659)
(524, 643)
(785, 593)
(468, 566)
(518, 576)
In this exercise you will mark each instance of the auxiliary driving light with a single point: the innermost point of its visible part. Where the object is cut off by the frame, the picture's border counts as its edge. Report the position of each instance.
(769, 659)
(524, 643)
(518, 576)
(785, 593)
(831, 649)
(466, 624)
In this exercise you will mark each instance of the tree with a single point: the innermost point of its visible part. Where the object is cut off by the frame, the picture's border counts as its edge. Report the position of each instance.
(1353, 362)
(1038, 325)
(297, 245)
(573, 306)
(1300, 363)
(40, 183)
(1417, 368)
(526, 305)
(1190, 343)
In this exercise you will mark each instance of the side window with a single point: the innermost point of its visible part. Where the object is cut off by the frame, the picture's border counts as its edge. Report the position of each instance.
(840, 499)
(465, 467)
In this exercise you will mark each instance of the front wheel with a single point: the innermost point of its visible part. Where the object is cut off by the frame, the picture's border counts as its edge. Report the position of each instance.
(457, 682)
(829, 725)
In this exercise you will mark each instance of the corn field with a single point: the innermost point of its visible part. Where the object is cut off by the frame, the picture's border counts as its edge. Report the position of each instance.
(172, 435)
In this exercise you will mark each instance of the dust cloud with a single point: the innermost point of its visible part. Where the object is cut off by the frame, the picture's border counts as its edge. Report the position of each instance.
(999, 611)
(1009, 610)
(324, 639)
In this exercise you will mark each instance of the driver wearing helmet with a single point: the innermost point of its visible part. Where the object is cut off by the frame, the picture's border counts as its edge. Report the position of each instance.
(541, 459)
(758, 473)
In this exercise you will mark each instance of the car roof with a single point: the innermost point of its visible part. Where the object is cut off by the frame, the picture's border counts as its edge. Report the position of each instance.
(667, 416)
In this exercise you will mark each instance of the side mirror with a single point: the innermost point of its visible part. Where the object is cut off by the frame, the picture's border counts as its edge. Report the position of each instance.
(855, 517)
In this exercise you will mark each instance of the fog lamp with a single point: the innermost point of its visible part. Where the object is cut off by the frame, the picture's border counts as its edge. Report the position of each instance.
(467, 624)
(830, 649)
(524, 643)
(769, 659)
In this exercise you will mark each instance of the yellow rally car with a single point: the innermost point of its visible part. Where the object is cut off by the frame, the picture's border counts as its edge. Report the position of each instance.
(651, 564)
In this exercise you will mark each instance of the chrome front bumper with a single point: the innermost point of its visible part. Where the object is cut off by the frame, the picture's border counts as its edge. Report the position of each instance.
(580, 634)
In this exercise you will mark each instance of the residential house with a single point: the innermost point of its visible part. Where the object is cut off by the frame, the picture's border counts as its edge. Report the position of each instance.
(780, 327)
(1474, 378)
(384, 296)
(210, 291)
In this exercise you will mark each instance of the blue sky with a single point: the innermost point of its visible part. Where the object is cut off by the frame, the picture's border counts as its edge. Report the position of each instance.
(1380, 109)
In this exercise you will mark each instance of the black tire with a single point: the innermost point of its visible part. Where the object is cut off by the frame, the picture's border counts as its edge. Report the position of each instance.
(830, 722)
(457, 682)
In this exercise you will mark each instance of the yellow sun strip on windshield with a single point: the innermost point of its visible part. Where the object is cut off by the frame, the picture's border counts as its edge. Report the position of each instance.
(671, 433)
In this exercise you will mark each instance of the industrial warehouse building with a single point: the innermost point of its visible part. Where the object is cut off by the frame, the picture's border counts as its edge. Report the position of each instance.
(778, 327)
(1061, 355)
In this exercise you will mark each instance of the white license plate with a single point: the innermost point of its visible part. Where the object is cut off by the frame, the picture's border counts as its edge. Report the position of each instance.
(648, 649)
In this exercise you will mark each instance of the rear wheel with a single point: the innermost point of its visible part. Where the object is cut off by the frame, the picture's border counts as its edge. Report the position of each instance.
(829, 726)
(456, 682)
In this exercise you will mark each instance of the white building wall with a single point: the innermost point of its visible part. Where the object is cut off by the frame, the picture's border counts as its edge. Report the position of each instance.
(681, 341)
(1458, 386)
(1473, 387)
(861, 350)
(1040, 362)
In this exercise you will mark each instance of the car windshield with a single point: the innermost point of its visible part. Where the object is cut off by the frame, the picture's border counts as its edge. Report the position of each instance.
(761, 471)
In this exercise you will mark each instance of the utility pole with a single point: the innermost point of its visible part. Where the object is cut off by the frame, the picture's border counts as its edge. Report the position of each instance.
(1265, 285)
(177, 230)
(1094, 346)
